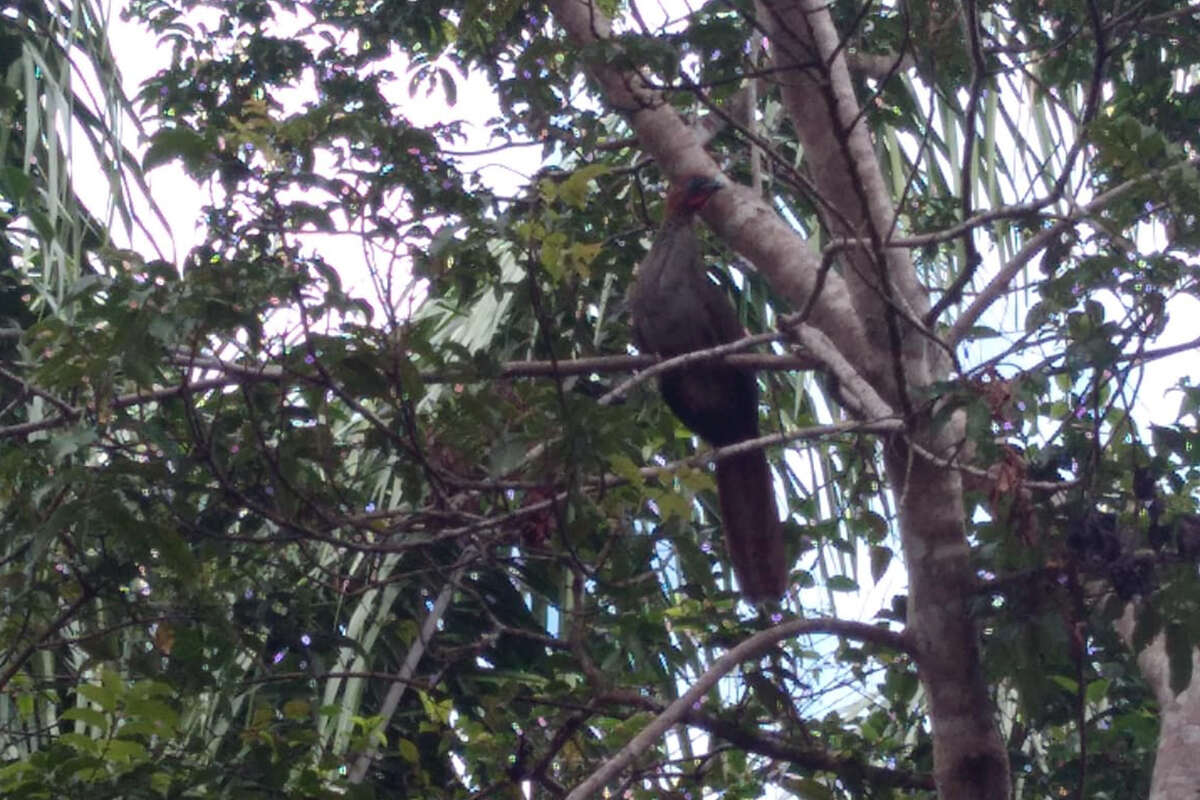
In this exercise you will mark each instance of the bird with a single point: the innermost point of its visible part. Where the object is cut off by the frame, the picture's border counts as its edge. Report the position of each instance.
(677, 309)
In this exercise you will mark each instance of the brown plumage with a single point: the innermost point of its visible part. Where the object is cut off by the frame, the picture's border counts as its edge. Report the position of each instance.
(676, 310)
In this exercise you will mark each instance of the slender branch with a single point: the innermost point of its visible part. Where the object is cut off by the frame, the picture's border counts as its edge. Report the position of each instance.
(402, 678)
(978, 73)
(870, 404)
(49, 397)
(134, 399)
(999, 284)
(741, 218)
(754, 647)
(886, 424)
(693, 357)
(304, 677)
(778, 748)
(609, 482)
(1017, 211)
(609, 364)
(63, 619)
(239, 375)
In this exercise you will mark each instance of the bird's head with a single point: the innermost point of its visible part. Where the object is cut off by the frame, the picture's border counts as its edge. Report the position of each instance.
(690, 194)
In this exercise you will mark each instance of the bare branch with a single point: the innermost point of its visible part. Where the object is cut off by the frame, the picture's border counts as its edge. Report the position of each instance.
(1000, 283)
(742, 219)
(754, 647)
(688, 358)
(776, 747)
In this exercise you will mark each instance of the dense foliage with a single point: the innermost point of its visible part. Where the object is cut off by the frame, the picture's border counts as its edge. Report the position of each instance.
(345, 482)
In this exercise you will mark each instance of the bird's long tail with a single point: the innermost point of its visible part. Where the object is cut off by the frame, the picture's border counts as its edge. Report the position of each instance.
(753, 534)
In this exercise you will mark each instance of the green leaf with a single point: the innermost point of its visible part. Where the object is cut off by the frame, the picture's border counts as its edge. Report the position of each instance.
(575, 189)
(623, 466)
(124, 751)
(169, 144)
(671, 504)
(296, 709)
(408, 751)
(1070, 684)
(506, 455)
(161, 782)
(153, 711)
(977, 332)
(84, 744)
(881, 558)
(89, 716)
(581, 255)
(1037, 316)
(1097, 690)
(102, 696)
(448, 86)
(551, 255)
(73, 442)
(133, 729)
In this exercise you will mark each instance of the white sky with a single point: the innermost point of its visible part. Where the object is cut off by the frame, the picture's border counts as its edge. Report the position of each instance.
(180, 199)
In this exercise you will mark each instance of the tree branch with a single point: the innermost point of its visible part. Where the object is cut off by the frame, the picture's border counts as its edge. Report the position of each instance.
(778, 748)
(999, 284)
(739, 217)
(68, 613)
(754, 647)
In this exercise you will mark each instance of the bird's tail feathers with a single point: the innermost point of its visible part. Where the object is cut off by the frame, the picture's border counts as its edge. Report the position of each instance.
(753, 534)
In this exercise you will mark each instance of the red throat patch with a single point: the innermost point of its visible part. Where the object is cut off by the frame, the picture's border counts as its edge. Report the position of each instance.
(689, 195)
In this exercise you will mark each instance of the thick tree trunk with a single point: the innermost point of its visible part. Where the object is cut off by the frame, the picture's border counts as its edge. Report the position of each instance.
(870, 311)
(970, 759)
(969, 756)
(1176, 767)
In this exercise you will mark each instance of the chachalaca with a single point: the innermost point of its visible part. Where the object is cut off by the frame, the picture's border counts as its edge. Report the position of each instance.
(677, 309)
